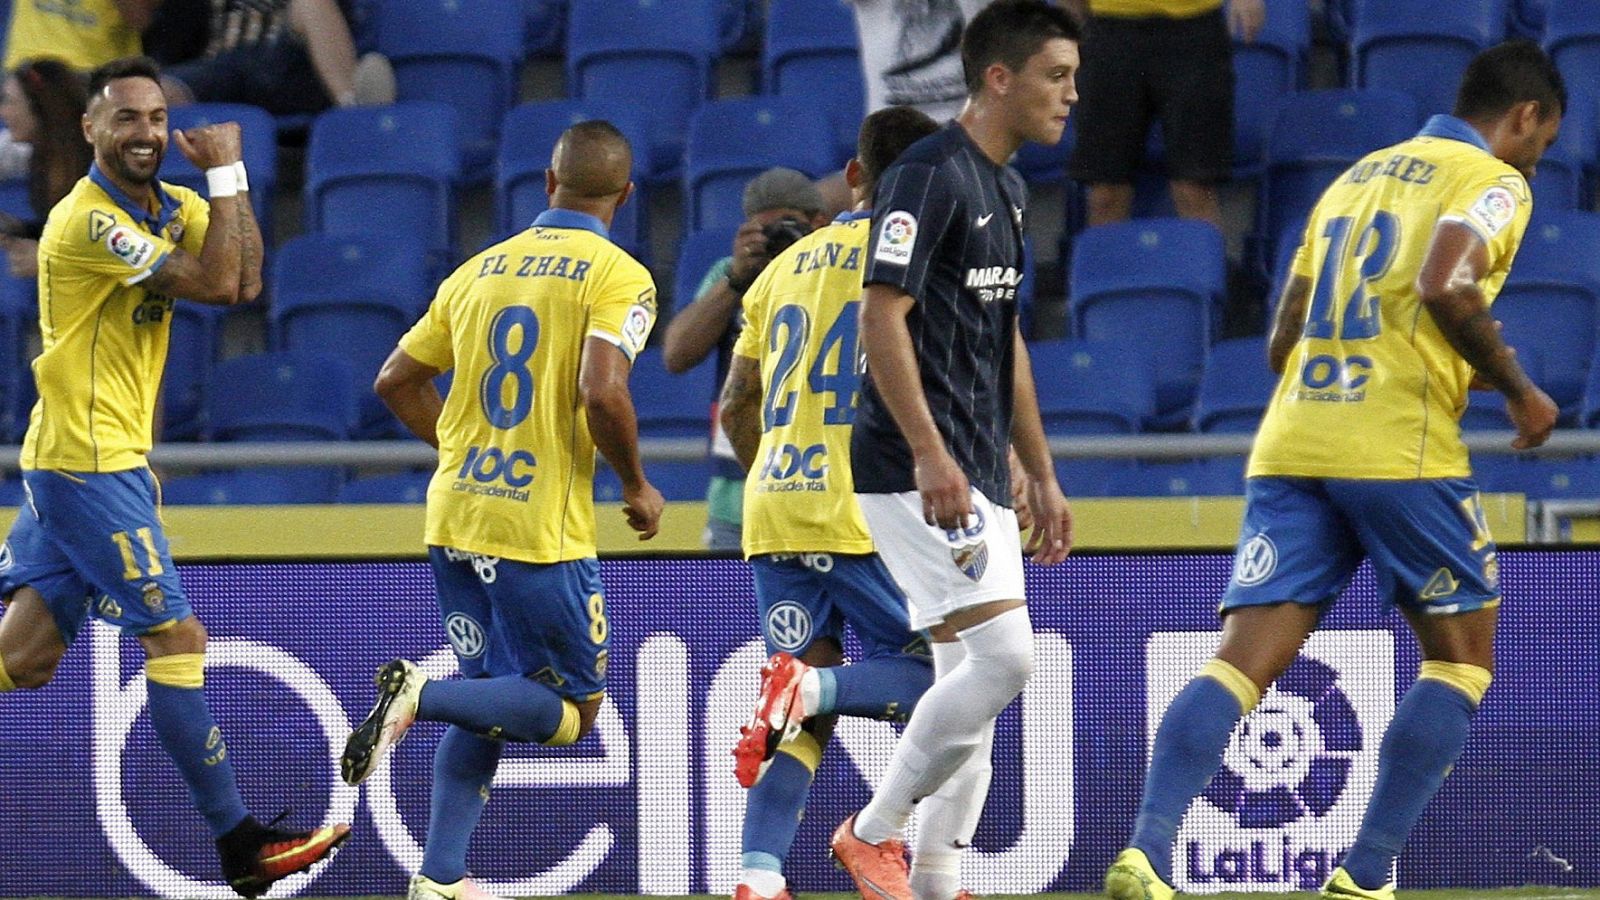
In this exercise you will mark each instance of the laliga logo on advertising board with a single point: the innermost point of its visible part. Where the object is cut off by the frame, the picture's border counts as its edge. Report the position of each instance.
(1296, 775)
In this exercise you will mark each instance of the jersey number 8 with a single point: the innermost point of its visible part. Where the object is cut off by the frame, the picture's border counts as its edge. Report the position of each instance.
(509, 366)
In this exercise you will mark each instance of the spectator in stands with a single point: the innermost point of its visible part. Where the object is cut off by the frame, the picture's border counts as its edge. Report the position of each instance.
(779, 204)
(285, 56)
(910, 53)
(1159, 60)
(42, 106)
(84, 33)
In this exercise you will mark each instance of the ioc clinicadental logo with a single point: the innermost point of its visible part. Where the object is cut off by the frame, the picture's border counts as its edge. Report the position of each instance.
(1296, 774)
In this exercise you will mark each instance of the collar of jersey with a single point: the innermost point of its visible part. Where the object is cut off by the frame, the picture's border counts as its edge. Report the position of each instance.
(155, 224)
(853, 215)
(571, 218)
(1442, 126)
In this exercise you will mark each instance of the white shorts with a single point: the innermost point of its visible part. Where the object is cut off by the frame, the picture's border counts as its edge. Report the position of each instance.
(944, 571)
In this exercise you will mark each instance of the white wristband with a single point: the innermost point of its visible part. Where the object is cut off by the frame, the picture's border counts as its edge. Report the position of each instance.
(222, 181)
(244, 180)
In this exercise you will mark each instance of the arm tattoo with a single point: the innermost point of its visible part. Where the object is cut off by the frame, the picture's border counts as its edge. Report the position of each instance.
(741, 396)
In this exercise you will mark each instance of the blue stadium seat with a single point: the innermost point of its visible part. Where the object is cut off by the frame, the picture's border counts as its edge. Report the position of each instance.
(1090, 477)
(191, 356)
(19, 308)
(1317, 136)
(1264, 72)
(544, 26)
(351, 297)
(374, 170)
(1528, 18)
(1539, 478)
(402, 487)
(260, 136)
(528, 136)
(811, 53)
(1551, 301)
(1223, 477)
(1235, 387)
(1572, 37)
(732, 141)
(464, 53)
(14, 199)
(668, 405)
(1093, 387)
(1421, 47)
(1167, 277)
(282, 397)
(675, 479)
(1589, 414)
(615, 48)
(254, 487)
(699, 251)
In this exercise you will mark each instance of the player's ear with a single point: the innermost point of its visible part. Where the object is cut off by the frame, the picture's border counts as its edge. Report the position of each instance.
(1527, 113)
(854, 172)
(625, 196)
(997, 77)
(550, 183)
(88, 138)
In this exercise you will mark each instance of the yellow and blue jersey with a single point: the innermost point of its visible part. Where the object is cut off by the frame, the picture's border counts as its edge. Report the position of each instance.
(81, 33)
(104, 334)
(801, 325)
(1372, 389)
(516, 461)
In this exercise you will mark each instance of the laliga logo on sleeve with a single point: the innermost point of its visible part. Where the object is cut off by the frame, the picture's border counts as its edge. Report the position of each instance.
(1297, 771)
(129, 246)
(896, 237)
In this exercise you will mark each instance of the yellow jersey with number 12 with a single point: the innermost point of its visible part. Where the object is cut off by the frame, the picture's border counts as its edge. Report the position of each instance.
(800, 324)
(1373, 389)
(516, 461)
(104, 332)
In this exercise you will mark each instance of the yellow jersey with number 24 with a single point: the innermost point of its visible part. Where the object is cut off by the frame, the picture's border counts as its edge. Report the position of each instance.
(800, 324)
(1373, 389)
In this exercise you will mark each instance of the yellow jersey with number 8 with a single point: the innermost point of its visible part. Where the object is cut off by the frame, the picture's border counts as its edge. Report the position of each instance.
(516, 461)
(1373, 389)
(800, 324)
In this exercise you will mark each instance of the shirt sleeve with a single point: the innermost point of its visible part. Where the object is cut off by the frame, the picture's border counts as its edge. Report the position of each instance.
(914, 208)
(429, 341)
(718, 271)
(624, 309)
(1497, 207)
(102, 241)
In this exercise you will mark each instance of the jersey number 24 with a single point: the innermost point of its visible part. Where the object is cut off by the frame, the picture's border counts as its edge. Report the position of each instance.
(833, 372)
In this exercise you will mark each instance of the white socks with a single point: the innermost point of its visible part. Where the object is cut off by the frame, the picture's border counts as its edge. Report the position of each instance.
(952, 721)
(764, 882)
(947, 819)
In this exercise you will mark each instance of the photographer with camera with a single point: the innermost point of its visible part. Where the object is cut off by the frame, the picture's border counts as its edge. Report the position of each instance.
(781, 206)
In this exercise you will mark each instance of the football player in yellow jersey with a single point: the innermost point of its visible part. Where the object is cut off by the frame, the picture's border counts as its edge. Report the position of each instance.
(787, 407)
(1379, 332)
(541, 330)
(88, 542)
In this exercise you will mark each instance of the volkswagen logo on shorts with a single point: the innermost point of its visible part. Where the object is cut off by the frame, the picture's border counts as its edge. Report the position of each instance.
(788, 626)
(1292, 755)
(466, 635)
(1255, 562)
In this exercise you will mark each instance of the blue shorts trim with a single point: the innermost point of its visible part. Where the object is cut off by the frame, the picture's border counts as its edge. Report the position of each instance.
(802, 598)
(545, 621)
(92, 544)
(1302, 539)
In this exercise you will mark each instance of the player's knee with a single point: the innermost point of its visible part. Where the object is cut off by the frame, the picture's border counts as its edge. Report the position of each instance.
(31, 671)
(1016, 665)
(183, 637)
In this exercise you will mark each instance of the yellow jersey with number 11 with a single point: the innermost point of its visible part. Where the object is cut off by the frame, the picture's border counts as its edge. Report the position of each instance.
(800, 324)
(516, 461)
(1373, 389)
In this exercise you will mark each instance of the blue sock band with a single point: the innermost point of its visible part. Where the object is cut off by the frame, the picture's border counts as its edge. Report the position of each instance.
(1426, 735)
(508, 707)
(766, 862)
(183, 724)
(1187, 752)
(463, 769)
(886, 687)
(828, 690)
(772, 810)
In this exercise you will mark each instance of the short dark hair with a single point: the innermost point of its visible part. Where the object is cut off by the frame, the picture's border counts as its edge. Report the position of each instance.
(1010, 31)
(886, 134)
(1507, 74)
(124, 67)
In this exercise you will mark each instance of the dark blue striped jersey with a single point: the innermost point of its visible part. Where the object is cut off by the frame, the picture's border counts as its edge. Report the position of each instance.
(947, 229)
